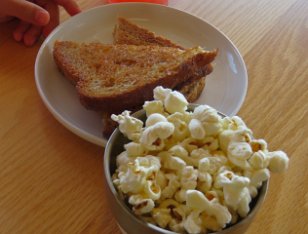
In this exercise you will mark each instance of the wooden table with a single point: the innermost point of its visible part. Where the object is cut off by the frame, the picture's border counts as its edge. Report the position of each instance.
(51, 181)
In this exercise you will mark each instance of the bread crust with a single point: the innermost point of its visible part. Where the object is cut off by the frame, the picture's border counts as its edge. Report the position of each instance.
(126, 32)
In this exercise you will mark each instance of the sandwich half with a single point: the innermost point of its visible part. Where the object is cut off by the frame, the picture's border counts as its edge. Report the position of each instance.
(116, 77)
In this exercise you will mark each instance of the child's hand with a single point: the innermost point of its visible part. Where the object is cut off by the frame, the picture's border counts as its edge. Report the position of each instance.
(36, 17)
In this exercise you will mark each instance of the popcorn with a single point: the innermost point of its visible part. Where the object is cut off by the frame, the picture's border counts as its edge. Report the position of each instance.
(209, 222)
(179, 120)
(196, 129)
(152, 190)
(179, 214)
(243, 206)
(253, 191)
(123, 159)
(181, 152)
(228, 136)
(175, 102)
(220, 212)
(134, 149)
(155, 118)
(204, 165)
(193, 223)
(191, 171)
(239, 153)
(160, 93)
(278, 161)
(236, 193)
(206, 114)
(132, 178)
(130, 181)
(216, 162)
(162, 216)
(204, 177)
(153, 107)
(161, 179)
(172, 187)
(257, 177)
(209, 118)
(198, 202)
(233, 123)
(197, 154)
(258, 145)
(188, 181)
(169, 203)
(259, 160)
(190, 144)
(210, 143)
(141, 205)
(128, 125)
(174, 163)
(177, 227)
(146, 165)
(153, 136)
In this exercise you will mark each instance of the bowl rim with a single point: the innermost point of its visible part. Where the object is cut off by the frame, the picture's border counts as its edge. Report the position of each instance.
(124, 207)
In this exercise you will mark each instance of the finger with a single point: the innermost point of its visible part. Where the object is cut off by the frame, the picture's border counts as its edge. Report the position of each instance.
(21, 28)
(53, 11)
(28, 12)
(69, 5)
(5, 18)
(32, 35)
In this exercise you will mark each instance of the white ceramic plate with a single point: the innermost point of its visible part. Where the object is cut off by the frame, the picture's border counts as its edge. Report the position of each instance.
(225, 87)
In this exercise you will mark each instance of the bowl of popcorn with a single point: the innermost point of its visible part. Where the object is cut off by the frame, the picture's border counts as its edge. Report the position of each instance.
(184, 168)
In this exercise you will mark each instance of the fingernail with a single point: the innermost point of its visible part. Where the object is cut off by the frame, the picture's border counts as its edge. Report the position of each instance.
(41, 17)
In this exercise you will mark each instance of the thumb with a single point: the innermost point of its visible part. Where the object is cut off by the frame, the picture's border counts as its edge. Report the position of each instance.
(28, 12)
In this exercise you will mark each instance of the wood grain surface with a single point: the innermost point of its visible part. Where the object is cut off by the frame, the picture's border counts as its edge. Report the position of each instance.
(51, 181)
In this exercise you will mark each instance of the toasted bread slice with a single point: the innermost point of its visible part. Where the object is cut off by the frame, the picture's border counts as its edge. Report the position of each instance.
(116, 77)
(126, 32)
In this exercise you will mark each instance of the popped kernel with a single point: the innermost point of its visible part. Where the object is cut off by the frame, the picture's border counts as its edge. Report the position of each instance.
(153, 107)
(155, 118)
(153, 136)
(140, 204)
(131, 127)
(259, 160)
(278, 161)
(162, 216)
(134, 149)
